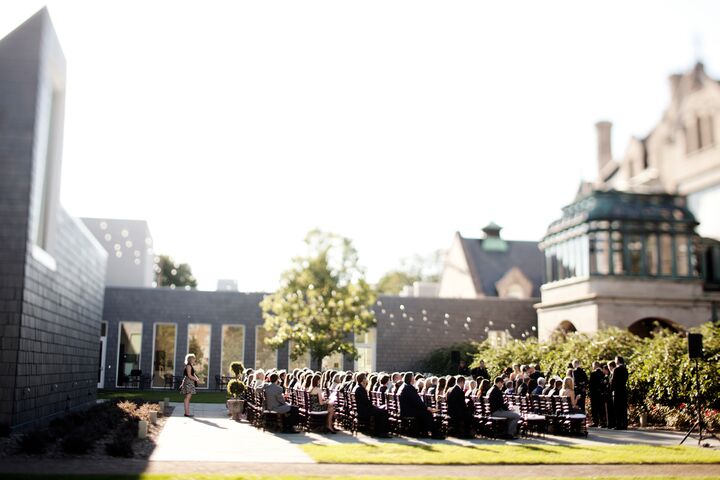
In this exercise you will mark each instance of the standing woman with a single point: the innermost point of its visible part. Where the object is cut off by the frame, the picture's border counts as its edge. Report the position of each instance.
(189, 382)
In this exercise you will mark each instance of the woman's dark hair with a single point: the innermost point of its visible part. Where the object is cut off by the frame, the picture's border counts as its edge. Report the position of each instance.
(384, 379)
(314, 381)
(484, 387)
(408, 377)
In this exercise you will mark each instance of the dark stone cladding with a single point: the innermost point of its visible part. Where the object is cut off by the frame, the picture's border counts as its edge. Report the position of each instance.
(402, 343)
(406, 335)
(57, 357)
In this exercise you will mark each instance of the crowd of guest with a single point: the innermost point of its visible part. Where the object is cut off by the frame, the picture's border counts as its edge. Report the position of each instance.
(606, 387)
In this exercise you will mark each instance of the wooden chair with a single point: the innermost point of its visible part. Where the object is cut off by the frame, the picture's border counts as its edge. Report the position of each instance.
(315, 420)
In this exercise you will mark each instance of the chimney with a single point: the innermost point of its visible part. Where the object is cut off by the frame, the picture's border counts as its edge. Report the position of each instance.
(675, 86)
(604, 144)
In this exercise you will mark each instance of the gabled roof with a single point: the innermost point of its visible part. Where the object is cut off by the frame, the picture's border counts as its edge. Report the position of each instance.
(487, 267)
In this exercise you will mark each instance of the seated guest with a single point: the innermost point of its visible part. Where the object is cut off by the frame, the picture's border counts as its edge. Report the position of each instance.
(366, 411)
(568, 390)
(259, 379)
(556, 388)
(470, 389)
(440, 389)
(523, 385)
(318, 402)
(411, 405)
(499, 408)
(483, 388)
(395, 382)
(460, 413)
(540, 386)
(384, 379)
(275, 402)
(549, 386)
(509, 387)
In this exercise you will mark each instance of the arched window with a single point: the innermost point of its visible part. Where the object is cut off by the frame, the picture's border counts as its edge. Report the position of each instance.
(647, 327)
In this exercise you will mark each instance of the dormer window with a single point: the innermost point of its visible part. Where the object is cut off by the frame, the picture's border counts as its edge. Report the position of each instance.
(699, 133)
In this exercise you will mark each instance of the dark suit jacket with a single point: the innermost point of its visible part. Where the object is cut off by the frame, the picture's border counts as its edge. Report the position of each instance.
(363, 403)
(618, 380)
(596, 382)
(411, 405)
(480, 372)
(581, 379)
(497, 402)
(457, 407)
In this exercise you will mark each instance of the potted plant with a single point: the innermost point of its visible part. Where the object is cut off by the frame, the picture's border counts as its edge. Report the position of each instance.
(236, 405)
(235, 389)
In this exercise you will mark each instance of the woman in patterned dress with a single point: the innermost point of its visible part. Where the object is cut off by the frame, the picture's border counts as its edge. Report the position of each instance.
(189, 382)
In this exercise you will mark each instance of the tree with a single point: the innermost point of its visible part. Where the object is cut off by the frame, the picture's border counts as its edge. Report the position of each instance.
(323, 299)
(169, 273)
(417, 268)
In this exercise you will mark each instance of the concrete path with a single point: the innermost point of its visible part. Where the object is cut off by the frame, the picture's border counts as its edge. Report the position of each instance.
(211, 436)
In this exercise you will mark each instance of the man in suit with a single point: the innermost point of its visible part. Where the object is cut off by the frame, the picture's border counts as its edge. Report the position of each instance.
(461, 415)
(275, 402)
(618, 384)
(499, 408)
(411, 405)
(480, 371)
(581, 380)
(366, 411)
(607, 390)
(597, 402)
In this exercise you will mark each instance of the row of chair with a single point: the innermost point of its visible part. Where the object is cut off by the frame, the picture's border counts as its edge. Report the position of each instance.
(538, 414)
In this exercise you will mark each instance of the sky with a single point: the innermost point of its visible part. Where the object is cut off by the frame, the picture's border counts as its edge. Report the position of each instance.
(234, 128)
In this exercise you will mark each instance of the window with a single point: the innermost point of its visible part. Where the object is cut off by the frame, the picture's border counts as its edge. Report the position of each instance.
(333, 361)
(617, 253)
(599, 260)
(515, 291)
(653, 258)
(366, 344)
(635, 254)
(129, 345)
(164, 354)
(682, 258)
(265, 356)
(199, 344)
(303, 361)
(699, 133)
(233, 347)
(666, 254)
(45, 169)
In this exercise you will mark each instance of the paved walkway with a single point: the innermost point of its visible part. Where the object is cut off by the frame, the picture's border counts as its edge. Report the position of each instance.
(211, 443)
(211, 436)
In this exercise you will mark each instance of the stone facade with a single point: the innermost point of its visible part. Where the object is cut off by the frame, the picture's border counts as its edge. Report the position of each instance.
(51, 289)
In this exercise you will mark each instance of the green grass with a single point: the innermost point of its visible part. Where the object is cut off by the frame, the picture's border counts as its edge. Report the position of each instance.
(148, 476)
(439, 454)
(156, 395)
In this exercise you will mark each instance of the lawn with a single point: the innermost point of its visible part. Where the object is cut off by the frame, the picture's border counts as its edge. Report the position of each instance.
(156, 395)
(439, 454)
(148, 476)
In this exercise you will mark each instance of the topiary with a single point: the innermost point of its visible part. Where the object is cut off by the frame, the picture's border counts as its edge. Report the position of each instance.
(235, 388)
(236, 369)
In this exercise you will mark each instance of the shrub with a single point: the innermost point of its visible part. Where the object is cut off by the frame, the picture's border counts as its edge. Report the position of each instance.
(80, 441)
(122, 440)
(5, 430)
(439, 362)
(235, 388)
(34, 442)
(236, 369)
(662, 377)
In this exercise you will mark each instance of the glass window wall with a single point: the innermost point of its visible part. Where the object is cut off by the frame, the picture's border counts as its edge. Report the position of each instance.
(199, 344)
(164, 355)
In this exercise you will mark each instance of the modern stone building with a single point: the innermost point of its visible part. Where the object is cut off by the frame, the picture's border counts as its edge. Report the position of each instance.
(52, 269)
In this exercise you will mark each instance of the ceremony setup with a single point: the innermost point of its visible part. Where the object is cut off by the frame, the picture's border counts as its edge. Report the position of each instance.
(259, 241)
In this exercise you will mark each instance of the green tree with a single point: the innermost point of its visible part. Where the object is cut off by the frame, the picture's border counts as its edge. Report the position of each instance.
(323, 299)
(417, 268)
(169, 273)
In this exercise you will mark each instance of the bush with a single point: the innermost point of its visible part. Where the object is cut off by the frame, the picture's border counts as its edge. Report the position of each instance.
(235, 388)
(123, 438)
(34, 442)
(80, 441)
(5, 430)
(236, 369)
(662, 377)
(440, 361)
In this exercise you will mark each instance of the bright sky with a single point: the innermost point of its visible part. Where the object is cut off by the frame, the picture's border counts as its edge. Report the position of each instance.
(233, 128)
